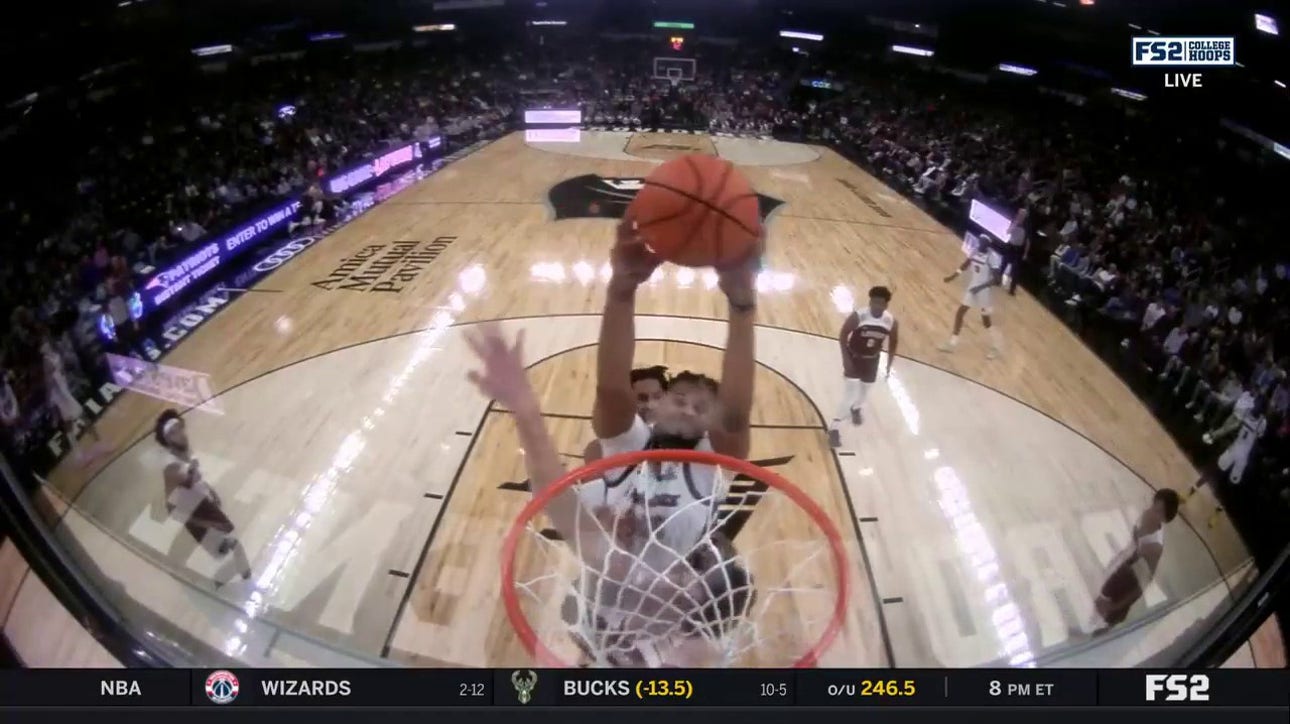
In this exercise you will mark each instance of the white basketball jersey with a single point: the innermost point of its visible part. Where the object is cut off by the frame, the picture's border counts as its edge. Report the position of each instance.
(187, 498)
(979, 268)
(679, 499)
(885, 321)
(1252, 429)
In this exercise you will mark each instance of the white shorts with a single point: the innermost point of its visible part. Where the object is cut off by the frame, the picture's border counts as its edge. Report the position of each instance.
(980, 299)
(1233, 462)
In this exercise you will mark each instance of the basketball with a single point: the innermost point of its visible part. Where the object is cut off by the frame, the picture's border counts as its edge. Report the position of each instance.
(698, 211)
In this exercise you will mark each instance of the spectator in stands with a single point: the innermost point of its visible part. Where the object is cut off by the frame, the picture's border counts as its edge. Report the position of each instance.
(1016, 247)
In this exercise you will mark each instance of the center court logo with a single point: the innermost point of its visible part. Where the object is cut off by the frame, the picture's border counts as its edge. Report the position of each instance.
(221, 687)
(592, 196)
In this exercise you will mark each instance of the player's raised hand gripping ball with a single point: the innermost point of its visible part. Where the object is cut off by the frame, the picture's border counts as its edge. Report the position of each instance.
(631, 259)
(698, 211)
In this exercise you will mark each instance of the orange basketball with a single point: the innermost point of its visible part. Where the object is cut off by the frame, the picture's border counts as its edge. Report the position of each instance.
(698, 211)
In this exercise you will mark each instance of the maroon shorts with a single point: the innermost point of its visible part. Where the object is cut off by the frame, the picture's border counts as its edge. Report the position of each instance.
(1123, 590)
(864, 369)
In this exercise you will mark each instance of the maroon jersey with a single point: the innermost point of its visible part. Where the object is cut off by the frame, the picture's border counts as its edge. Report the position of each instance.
(865, 342)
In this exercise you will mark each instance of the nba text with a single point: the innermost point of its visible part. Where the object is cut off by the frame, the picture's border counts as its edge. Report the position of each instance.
(1177, 687)
(119, 687)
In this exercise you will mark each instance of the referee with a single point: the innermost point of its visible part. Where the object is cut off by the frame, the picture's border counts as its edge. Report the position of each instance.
(1015, 249)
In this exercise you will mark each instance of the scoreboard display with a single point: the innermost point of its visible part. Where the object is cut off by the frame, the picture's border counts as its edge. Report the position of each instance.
(856, 694)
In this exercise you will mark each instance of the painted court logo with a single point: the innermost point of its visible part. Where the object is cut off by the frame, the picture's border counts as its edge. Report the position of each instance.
(221, 687)
(592, 196)
(384, 267)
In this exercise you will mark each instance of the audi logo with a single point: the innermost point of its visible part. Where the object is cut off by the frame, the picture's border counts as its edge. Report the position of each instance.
(283, 254)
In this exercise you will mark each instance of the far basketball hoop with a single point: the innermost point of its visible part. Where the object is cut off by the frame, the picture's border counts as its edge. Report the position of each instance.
(675, 70)
(753, 590)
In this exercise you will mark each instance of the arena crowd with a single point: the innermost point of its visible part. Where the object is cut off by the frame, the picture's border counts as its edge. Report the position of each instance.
(1161, 236)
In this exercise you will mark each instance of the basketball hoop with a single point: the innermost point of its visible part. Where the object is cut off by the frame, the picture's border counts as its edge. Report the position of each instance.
(764, 584)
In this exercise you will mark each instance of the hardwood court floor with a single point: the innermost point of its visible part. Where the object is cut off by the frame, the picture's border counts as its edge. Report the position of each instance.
(369, 481)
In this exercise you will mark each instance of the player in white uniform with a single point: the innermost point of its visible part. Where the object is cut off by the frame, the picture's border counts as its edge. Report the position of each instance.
(1248, 422)
(861, 341)
(69, 411)
(649, 385)
(193, 503)
(1135, 567)
(1236, 457)
(977, 294)
(644, 533)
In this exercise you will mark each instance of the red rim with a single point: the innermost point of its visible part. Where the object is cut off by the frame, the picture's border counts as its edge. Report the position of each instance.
(546, 658)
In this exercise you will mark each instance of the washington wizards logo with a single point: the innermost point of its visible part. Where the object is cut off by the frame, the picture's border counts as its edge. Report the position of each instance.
(221, 687)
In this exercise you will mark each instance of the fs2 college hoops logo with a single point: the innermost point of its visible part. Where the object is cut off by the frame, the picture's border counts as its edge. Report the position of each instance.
(221, 687)
(1183, 51)
(592, 196)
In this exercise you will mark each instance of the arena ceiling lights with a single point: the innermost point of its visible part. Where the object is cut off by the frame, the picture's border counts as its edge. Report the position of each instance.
(911, 50)
(1017, 69)
(1131, 95)
(206, 51)
(1266, 24)
(436, 28)
(799, 35)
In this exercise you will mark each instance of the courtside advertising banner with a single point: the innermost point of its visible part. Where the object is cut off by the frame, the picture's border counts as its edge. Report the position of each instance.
(212, 253)
(552, 116)
(182, 387)
(351, 179)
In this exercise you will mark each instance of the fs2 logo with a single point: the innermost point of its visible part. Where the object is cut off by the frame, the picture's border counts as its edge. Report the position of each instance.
(1177, 687)
(1184, 51)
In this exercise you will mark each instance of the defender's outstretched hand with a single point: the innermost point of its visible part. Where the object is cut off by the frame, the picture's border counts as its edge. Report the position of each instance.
(503, 377)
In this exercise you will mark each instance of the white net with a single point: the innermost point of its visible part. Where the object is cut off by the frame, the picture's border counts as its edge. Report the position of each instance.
(743, 577)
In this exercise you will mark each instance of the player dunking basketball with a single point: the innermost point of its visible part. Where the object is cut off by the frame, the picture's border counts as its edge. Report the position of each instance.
(646, 531)
(976, 295)
(861, 339)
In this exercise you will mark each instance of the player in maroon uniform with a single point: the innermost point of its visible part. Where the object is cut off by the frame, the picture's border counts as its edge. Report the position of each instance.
(861, 340)
(1135, 567)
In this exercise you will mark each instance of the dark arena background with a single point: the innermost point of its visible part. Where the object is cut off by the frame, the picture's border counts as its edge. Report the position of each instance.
(250, 248)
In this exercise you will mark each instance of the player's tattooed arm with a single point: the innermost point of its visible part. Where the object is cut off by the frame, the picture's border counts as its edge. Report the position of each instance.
(739, 363)
(632, 263)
